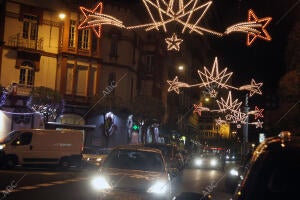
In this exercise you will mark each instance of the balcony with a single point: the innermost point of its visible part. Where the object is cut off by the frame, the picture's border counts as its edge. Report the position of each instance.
(19, 89)
(17, 41)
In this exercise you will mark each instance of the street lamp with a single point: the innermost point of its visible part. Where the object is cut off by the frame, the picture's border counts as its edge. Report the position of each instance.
(180, 68)
(61, 16)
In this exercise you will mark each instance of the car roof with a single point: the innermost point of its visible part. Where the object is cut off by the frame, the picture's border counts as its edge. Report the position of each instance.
(278, 144)
(138, 148)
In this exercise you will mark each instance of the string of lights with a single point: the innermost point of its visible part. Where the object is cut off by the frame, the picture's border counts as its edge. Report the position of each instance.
(187, 14)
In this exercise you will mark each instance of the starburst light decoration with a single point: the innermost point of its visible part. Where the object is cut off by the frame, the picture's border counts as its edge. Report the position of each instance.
(213, 79)
(186, 14)
(173, 42)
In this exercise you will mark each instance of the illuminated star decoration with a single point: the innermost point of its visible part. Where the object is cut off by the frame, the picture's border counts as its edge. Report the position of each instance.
(263, 34)
(254, 28)
(87, 14)
(220, 122)
(163, 12)
(199, 108)
(175, 85)
(173, 42)
(257, 124)
(254, 88)
(214, 78)
(185, 13)
(218, 79)
(257, 113)
(230, 105)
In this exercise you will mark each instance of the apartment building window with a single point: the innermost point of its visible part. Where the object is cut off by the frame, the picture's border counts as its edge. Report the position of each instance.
(112, 80)
(26, 74)
(149, 63)
(114, 45)
(83, 39)
(94, 43)
(30, 27)
(72, 32)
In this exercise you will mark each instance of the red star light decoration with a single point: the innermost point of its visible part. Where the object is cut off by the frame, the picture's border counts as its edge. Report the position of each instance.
(263, 33)
(258, 113)
(88, 14)
(199, 108)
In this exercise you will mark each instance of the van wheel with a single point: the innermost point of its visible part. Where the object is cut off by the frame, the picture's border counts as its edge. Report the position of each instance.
(64, 163)
(10, 162)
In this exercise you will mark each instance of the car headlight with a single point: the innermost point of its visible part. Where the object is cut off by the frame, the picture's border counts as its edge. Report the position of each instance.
(198, 162)
(159, 187)
(233, 157)
(213, 162)
(2, 146)
(234, 172)
(227, 157)
(98, 159)
(99, 183)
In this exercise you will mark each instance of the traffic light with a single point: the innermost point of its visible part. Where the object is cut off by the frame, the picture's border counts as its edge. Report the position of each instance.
(135, 127)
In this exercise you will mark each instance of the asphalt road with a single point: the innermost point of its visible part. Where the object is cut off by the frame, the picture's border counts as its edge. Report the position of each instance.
(45, 184)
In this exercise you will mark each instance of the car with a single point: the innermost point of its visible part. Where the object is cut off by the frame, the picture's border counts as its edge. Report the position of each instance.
(94, 156)
(42, 147)
(171, 153)
(207, 160)
(133, 172)
(273, 172)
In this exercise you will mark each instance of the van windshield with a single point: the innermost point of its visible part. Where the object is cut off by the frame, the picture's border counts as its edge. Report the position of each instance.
(10, 137)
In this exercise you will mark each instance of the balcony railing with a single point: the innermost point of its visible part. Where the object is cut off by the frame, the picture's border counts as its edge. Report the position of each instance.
(18, 41)
(19, 89)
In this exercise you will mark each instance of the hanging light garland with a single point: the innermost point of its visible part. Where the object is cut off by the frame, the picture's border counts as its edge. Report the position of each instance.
(187, 14)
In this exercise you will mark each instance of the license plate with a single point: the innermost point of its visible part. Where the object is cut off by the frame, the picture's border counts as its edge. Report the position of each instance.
(125, 196)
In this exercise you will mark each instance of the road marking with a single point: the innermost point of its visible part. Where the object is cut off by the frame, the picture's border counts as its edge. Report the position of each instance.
(44, 185)
(20, 189)
(27, 187)
(59, 182)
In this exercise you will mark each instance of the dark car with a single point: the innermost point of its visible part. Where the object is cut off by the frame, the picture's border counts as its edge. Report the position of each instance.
(133, 172)
(274, 170)
(171, 153)
(207, 160)
(94, 156)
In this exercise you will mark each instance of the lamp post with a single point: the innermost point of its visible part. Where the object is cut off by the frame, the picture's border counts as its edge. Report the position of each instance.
(61, 16)
(245, 128)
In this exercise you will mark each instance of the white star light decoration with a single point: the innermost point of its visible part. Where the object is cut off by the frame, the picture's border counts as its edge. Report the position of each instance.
(229, 104)
(173, 43)
(185, 13)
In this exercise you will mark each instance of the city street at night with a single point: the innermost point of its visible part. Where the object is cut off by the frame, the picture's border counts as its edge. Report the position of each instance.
(37, 184)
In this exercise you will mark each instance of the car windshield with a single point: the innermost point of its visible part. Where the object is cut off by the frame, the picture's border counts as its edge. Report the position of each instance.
(95, 150)
(134, 160)
(165, 149)
(10, 137)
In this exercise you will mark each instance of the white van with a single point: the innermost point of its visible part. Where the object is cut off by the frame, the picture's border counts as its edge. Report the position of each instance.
(41, 146)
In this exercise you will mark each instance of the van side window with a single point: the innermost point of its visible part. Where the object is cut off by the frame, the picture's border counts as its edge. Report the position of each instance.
(23, 139)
